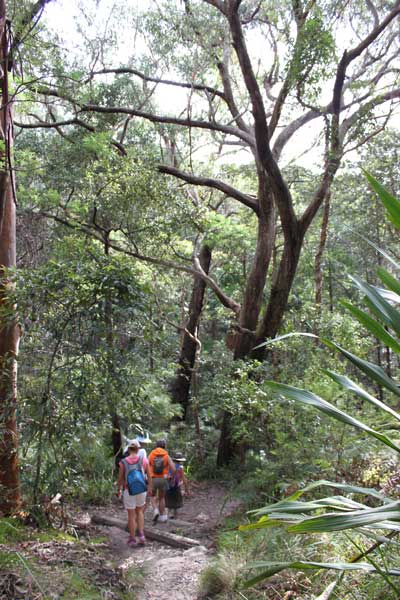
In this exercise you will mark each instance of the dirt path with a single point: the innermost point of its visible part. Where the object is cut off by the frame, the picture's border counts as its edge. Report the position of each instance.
(171, 572)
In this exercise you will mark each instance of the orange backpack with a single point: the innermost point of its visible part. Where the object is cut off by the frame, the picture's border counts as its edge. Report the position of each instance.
(158, 460)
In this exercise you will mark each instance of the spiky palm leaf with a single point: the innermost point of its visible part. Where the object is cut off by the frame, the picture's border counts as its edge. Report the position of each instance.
(338, 513)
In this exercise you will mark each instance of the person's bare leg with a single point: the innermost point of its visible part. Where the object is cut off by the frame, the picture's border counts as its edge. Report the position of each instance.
(140, 523)
(162, 501)
(132, 523)
(153, 500)
(155, 503)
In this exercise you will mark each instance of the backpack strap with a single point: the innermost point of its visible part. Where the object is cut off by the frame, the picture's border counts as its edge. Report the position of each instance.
(126, 469)
(140, 463)
(129, 467)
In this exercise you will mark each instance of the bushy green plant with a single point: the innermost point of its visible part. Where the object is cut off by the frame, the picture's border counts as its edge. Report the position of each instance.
(368, 514)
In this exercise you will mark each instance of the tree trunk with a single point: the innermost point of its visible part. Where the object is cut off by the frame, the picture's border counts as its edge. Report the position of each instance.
(9, 330)
(279, 294)
(321, 247)
(116, 435)
(245, 338)
(180, 387)
(330, 281)
(269, 327)
(226, 447)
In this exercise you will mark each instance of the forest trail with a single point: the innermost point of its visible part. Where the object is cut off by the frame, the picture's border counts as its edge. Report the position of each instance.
(169, 572)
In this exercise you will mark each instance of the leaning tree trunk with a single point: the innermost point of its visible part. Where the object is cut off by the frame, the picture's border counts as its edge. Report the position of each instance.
(180, 387)
(9, 330)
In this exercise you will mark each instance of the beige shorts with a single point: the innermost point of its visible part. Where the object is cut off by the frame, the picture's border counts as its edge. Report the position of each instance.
(132, 502)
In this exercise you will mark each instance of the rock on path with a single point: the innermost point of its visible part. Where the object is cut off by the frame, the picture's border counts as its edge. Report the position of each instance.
(174, 576)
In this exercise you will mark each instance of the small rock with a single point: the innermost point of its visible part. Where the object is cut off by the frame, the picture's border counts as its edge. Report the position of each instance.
(196, 551)
(202, 518)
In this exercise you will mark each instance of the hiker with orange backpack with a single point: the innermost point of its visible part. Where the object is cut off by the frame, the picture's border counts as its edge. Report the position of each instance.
(161, 466)
(131, 479)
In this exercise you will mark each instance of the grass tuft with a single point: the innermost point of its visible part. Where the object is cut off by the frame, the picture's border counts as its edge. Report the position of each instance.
(222, 576)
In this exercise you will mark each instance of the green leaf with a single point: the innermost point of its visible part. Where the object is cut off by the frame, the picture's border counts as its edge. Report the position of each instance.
(277, 520)
(309, 398)
(377, 248)
(285, 336)
(381, 307)
(391, 203)
(271, 568)
(295, 506)
(373, 327)
(373, 371)
(351, 489)
(388, 279)
(351, 520)
(354, 387)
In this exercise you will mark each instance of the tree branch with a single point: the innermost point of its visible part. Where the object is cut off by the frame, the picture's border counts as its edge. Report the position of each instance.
(190, 86)
(54, 124)
(281, 192)
(57, 124)
(225, 300)
(365, 108)
(234, 131)
(291, 129)
(223, 68)
(337, 133)
(223, 187)
(30, 19)
(371, 37)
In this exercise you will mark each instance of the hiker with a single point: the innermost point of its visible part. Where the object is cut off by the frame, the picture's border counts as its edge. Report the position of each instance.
(131, 479)
(144, 441)
(174, 496)
(160, 467)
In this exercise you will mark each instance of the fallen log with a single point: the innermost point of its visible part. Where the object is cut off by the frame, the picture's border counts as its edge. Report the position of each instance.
(166, 537)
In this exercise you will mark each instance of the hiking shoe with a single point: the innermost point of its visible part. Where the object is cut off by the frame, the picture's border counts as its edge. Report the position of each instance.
(163, 518)
(156, 514)
(132, 542)
(142, 539)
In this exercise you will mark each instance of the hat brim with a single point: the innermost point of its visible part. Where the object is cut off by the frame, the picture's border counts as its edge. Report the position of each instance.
(130, 446)
(179, 459)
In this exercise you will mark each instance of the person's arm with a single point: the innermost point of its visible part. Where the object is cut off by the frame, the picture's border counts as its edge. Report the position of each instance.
(171, 465)
(185, 482)
(121, 479)
(149, 482)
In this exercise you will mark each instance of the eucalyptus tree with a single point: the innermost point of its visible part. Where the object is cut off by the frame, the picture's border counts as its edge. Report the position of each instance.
(257, 78)
(12, 35)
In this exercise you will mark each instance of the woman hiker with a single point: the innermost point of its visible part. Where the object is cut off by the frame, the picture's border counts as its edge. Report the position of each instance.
(131, 479)
(174, 496)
